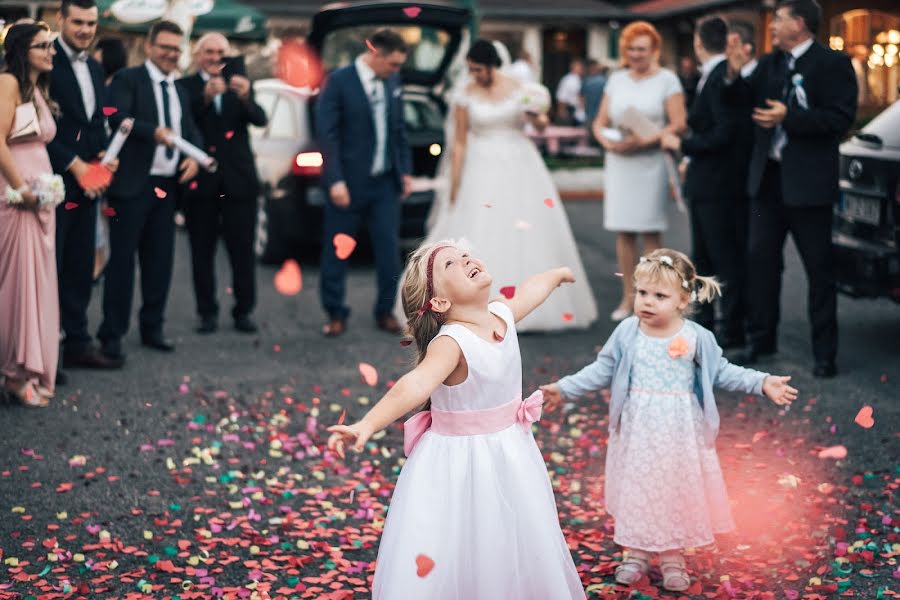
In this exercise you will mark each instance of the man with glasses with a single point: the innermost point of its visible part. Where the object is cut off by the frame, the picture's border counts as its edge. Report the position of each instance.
(77, 87)
(144, 190)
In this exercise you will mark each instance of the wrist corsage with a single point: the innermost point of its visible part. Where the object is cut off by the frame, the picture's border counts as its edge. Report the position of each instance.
(13, 195)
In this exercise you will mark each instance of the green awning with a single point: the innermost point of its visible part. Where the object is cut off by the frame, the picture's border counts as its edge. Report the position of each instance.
(229, 17)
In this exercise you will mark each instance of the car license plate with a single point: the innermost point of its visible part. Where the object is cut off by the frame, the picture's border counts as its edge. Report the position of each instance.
(860, 208)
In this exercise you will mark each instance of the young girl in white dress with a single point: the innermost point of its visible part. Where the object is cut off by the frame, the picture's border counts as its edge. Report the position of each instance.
(473, 515)
(664, 486)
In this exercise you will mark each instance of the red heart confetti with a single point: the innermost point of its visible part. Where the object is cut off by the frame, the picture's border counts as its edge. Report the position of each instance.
(369, 374)
(193, 185)
(109, 211)
(424, 565)
(864, 417)
(298, 65)
(568, 316)
(343, 245)
(229, 135)
(110, 110)
(289, 279)
(70, 205)
(835, 452)
(160, 193)
(549, 202)
(508, 292)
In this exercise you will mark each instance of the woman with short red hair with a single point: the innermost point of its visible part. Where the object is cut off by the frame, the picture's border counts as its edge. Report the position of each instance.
(636, 184)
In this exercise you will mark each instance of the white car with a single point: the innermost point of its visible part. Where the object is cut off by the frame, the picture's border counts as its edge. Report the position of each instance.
(287, 156)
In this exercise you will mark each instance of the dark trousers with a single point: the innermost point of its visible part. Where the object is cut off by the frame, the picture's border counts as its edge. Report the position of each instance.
(76, 230)
(379, 206)
(144, 224)
(810, 226)
(211, 211)
(718, 250)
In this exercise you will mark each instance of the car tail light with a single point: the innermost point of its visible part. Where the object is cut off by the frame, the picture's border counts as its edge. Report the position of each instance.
(308, 164)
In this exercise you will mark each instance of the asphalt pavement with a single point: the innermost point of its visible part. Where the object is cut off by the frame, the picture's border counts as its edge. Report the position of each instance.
(201, 474)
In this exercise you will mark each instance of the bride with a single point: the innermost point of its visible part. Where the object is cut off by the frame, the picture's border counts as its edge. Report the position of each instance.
(501, 198)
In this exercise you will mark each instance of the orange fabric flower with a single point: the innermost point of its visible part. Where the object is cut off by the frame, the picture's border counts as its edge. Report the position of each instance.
(678, 347)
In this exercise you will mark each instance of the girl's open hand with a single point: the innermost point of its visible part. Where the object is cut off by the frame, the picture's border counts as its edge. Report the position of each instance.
(357, 434)
(552, 396)
(777, 390)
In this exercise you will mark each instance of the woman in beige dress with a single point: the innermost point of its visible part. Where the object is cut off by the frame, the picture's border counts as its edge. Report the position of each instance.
(29, 305)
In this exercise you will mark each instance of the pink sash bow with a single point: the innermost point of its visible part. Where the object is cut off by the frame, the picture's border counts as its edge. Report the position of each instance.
(472, 422)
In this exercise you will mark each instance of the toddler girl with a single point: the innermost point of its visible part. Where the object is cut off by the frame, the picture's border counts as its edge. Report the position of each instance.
(664, 486)
(473, 514)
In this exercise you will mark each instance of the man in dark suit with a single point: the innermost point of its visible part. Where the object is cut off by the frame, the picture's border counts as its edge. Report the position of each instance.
(805, 100)
(359, 122)
(224, 200)
(712, 185)
(143, 191)
(77, 87)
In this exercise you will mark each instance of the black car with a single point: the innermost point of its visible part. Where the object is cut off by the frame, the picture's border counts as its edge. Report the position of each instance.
(866, 234)
(291, 205)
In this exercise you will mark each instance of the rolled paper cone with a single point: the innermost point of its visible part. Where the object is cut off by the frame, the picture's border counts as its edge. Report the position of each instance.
(188, 149)
(118, 140)
(674, 180)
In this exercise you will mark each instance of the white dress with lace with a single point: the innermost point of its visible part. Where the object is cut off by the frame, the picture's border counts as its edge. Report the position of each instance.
(664, 486)
(509, 211)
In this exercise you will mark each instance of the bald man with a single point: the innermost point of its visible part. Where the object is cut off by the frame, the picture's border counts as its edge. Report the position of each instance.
(225, 201)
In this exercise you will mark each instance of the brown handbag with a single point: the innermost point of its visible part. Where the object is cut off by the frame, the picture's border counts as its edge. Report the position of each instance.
(25, 125)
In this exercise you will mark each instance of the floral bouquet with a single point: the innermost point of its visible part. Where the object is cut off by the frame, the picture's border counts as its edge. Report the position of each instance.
(49, 189)
(535, 98)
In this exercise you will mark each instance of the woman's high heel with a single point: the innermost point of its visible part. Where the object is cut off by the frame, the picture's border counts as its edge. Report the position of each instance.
(27, 395)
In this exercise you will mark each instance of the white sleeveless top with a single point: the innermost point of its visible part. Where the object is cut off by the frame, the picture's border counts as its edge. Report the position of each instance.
(495, 368)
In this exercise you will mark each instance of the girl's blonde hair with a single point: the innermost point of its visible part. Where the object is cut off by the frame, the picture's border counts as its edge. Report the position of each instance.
(674, 267)
(421, 325)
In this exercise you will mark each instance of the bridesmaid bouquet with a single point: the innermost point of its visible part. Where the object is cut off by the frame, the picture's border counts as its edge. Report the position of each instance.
(535, 98)
(49, 189)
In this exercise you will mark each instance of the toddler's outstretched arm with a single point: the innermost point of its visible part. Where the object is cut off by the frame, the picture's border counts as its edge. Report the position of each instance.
(410, 391)
(534, 290)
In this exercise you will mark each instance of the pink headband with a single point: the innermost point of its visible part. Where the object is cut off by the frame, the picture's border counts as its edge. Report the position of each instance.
(429, 279)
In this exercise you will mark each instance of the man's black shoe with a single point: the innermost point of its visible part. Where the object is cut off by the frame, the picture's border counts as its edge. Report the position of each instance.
(91, 358)
(112, 349)
(245, 325)
(158, 342)
(824, 369)
(207, 325)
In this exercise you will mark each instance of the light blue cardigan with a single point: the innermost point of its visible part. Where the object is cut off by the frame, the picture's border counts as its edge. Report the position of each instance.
(613, 366)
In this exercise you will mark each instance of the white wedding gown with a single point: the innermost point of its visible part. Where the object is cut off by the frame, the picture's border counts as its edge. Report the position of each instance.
(509, 211)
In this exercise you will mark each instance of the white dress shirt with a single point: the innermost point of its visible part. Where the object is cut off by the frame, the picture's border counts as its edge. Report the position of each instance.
(779, 140)
(568, 91)
(83, 76)
(706, 68)
(375, 90)
(163, 166)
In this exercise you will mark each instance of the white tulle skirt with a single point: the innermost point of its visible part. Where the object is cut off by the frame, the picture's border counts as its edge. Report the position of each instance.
(482, 508)
(509, 211)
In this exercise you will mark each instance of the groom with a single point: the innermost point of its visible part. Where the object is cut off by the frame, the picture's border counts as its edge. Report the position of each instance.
(359, 120)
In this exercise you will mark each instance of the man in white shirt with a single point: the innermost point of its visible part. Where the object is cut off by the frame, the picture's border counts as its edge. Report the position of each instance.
(522, 68)
(144, 190)
(569, 108)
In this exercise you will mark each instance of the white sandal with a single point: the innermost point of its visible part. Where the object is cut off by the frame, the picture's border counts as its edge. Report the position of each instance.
(674, 572)
(635, 565)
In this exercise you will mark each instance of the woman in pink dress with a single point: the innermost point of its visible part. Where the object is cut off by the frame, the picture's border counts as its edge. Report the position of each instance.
(29, 305)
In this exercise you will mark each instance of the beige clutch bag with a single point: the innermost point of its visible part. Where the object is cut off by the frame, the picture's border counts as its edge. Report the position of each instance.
(25, 125)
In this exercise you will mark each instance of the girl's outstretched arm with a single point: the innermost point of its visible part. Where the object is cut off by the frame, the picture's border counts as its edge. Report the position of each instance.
(534, 290)
(412, 390)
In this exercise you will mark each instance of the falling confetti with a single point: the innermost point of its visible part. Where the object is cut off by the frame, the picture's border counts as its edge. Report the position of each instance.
(96, 176)
(549, 202)
(508, 292)
(298, 65)
(836, 452)
(424, 565)
(70, 205)
(343, 245)
(289, 279)
(109, 211)
(110, 110)
(568, 317)
(160, 193)
(229, 135)
(864, 417)
(369, 374)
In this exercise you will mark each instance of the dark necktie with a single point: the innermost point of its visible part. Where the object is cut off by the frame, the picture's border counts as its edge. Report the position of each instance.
(167, 115)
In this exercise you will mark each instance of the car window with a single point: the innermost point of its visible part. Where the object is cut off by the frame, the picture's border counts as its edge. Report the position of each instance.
(427, 46)
(887, 125)
(266, 100)
(281, 122)
(421, 115)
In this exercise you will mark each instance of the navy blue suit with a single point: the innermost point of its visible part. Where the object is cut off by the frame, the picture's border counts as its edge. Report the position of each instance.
(78, 135)
(346, 133)
(145, 209)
